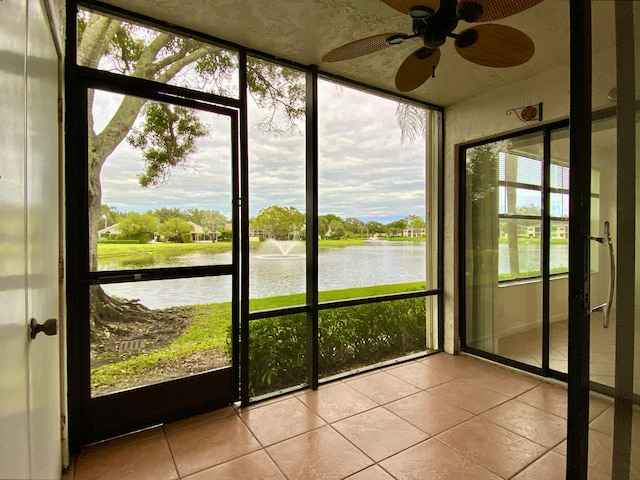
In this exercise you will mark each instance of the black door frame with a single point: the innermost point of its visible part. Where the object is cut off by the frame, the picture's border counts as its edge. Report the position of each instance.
(97, 418)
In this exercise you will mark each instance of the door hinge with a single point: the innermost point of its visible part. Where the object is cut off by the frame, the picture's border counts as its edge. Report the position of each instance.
(63, 427)
(60, 270)
(60, 104)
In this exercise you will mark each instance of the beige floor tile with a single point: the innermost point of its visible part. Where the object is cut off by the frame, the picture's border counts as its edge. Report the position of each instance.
(455, 365)
(336, 401)
(551, 466)
(428, 412)
(379, 433)
(198, 419)
(600, 451)
(537, 425)
(421, 375)
(471, 397)
(553, 399)
(433, 460)
(503, 381)
(279, 421)
(321, 453)
(148, 459)
(125, 440)
(211, 443)
(603, 423)
(495, 448)
(547, 397)
(372, 473)
(382, 387)
(256, 465)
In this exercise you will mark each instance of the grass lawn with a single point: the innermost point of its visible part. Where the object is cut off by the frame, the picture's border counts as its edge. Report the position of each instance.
(113, 250)
(209, 330)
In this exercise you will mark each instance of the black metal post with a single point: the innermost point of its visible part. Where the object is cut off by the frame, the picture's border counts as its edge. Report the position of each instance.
(244, 232)
(312, 224)
(579, 222)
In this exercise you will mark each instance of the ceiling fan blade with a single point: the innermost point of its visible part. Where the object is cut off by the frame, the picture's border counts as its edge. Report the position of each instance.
(361, 47)
(495, 45)
(489, 10)
(416, 69)
(403, 6)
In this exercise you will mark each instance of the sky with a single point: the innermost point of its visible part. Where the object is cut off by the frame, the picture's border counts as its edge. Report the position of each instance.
(364, 169)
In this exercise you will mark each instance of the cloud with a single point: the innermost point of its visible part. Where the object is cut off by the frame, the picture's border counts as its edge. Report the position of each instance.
(364, 169)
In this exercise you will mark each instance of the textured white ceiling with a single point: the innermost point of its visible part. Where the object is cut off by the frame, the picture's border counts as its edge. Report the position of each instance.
(304, 30)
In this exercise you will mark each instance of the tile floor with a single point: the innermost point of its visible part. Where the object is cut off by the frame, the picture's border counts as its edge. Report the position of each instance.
(444, 417)
(526, 347)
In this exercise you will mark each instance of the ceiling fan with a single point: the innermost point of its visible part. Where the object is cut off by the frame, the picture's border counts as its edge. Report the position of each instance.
(488, 44)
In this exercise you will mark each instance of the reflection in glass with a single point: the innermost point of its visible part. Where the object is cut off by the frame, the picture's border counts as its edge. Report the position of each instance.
(361, 335)
(135, 342)
(519, 249)
(503, 236)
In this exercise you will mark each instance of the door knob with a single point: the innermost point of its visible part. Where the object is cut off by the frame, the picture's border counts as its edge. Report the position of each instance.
(49, 327)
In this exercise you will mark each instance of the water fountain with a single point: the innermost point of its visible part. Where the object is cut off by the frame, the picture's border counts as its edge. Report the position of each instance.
(273, 249)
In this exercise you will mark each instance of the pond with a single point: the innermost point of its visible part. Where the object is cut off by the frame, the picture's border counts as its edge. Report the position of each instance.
(375, 263)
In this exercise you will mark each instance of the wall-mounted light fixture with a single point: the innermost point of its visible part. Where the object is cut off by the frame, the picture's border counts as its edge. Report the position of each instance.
(527, 113)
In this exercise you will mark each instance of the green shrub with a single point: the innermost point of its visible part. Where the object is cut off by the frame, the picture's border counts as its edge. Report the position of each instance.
(349, 338)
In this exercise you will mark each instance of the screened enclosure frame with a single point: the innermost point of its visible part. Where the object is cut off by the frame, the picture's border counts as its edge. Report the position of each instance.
(77, 80)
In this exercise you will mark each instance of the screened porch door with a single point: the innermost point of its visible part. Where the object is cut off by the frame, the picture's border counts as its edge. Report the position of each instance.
(160, 278)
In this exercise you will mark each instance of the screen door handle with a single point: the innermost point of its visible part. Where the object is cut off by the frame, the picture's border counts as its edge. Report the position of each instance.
(605, 308)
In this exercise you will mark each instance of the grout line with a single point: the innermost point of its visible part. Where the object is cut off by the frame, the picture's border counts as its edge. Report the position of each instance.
(173, 458)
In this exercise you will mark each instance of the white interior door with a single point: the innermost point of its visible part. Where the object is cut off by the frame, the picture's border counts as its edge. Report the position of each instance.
(29, 369)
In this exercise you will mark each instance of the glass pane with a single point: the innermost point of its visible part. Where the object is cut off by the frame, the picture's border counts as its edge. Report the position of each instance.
(149, 332)
(361, 335)
(559, 254)
(277, 152)
(277, 353)
(520, 169)
(520, 201)
(149, 53)
(559, 205)
(559, 173)
(162, 196)
(371, 198)
(559, 248)
(520, 249)
(603, 209)
(504, 316)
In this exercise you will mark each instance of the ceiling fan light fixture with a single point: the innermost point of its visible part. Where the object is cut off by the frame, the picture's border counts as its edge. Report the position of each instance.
(420, 12)
(470, 11)
(467, 38)
(423, 53)
(396, 39)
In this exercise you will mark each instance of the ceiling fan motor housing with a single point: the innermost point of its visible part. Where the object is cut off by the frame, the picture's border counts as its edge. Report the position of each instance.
(434, 29)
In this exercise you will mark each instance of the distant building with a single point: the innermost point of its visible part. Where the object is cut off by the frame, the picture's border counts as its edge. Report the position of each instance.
(105, 233)
(414, 232)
